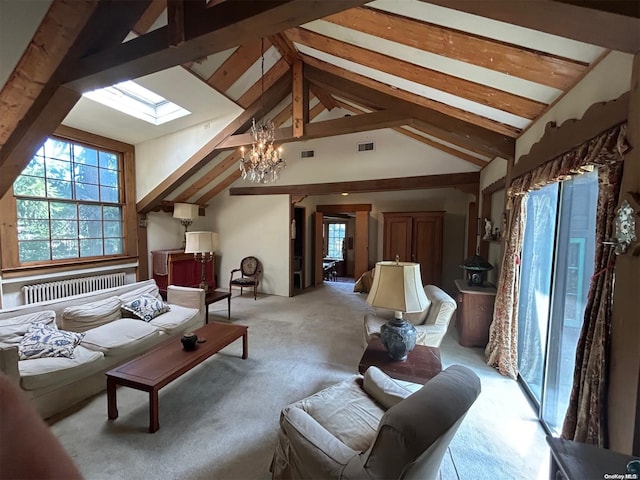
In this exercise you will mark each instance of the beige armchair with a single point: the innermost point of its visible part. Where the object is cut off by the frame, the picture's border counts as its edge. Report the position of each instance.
(374, 427)
(431, 324)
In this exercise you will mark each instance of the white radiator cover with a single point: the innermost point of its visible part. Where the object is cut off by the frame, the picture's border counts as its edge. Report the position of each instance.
(41, 292)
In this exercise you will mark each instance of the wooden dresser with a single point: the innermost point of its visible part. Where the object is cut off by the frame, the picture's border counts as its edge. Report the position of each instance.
(174, 267)
(474, 314)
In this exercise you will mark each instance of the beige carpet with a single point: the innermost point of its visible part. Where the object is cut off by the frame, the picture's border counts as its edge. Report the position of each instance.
(219, 421)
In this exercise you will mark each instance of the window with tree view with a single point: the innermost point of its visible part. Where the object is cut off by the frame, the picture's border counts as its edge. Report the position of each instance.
(69, 203)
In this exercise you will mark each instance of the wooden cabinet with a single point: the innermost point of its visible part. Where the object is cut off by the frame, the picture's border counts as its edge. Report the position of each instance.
(174, 267)
(474, 314)
(415, 237)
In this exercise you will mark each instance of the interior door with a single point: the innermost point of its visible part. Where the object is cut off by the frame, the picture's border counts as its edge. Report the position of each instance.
(397, 238)
(427, 247)
(317, 248)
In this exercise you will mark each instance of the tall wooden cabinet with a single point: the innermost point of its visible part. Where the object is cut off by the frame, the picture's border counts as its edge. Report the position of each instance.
(174, 267)
(415, 237)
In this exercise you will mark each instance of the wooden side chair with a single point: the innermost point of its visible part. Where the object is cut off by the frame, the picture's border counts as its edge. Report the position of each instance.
(250, 271)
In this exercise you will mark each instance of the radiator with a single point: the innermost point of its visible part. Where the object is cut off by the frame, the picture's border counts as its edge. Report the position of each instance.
(41, 292)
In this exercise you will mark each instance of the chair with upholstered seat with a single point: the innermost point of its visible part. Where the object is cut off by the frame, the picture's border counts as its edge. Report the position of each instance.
(374, 427)
(250, 271)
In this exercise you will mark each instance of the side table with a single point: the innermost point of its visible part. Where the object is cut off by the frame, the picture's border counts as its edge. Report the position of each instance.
(422, 363)
(475, 314)
(213, 297)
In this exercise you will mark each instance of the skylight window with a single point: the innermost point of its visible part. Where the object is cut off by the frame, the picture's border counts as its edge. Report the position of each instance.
(135, 100)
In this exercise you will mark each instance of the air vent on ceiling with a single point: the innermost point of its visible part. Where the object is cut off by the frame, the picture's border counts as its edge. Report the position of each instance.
(366, 147)
(307, 154)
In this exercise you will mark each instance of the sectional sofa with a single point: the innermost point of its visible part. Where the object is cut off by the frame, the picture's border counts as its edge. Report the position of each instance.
(89, 334)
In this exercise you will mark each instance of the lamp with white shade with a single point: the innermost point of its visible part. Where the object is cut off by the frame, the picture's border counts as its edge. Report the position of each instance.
(185, 212)
(398, 286)
(202, 245)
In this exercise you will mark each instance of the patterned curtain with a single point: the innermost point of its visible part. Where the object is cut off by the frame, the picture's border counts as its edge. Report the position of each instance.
(603, 151)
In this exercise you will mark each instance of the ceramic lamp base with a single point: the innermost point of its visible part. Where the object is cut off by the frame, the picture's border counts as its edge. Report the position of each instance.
(398, 337)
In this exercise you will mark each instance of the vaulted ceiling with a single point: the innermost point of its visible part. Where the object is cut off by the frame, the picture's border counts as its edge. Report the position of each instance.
(462, 76)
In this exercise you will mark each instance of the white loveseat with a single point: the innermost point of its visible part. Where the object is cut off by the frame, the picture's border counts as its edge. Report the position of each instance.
(431, 324)
(56, 383)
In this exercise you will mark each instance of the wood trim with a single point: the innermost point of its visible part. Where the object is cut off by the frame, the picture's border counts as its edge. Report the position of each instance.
(556, 141)
(450, 180)
(347, 207)
(513, 60)
(495, 186)
(8, 231)
(150, 15)
(19, 272)
(233, 67)
(93, 140)
(361, 244)
(475, 92)
(129, 215)
(595, 27)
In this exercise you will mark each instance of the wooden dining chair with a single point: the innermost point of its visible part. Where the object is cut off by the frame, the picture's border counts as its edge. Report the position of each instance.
(250, 271)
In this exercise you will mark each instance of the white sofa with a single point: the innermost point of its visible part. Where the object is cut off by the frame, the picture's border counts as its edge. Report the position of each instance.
(431, 324)
(56, 383)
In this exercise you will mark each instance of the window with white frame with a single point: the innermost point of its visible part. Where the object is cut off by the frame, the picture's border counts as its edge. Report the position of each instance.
(69, 203)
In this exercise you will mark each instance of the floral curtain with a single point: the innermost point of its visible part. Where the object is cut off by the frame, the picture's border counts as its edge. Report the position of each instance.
(603, 151)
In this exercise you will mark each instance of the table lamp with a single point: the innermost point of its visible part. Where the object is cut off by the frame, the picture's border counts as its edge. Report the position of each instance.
(398, 286)
(202, 245)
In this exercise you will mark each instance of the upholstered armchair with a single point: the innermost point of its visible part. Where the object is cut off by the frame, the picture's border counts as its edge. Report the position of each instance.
(374, 427)
(250, 271)
(431, 324)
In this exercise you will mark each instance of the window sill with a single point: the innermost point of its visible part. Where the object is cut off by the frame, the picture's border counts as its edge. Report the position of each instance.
(76, 264)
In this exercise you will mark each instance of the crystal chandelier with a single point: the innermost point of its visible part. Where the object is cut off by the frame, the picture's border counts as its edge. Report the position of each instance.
(262, 164)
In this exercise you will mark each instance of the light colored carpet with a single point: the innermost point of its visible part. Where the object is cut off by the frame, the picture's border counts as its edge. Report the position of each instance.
(219, 421)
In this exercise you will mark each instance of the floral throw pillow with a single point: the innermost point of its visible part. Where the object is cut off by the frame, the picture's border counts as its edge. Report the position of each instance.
(145, 307)
(42, 340)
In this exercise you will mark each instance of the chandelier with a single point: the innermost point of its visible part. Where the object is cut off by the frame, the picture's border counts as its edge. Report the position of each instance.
(262, 164)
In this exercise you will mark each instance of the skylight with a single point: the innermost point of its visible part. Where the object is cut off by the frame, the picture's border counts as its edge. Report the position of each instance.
(135, 100)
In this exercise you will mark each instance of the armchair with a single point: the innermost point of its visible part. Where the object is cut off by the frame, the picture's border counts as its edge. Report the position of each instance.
(250, 271)
(374, 427)
(431, 324)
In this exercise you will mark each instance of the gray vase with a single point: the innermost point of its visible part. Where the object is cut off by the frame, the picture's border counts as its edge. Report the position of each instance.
(398, 337)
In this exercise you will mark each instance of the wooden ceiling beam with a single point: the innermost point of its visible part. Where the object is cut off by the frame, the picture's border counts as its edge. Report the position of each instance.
(207, 31)
(449, 180)
(328, 128)
(592, 26)
(277, 71)
(475, 92)
(70, 30)
(413, 98)
(447, 128)
(300, 100)
(233, 67)
(268, 101)
(151, 14)
(532, 65)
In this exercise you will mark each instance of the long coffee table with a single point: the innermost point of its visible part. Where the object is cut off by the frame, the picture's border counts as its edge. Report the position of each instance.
(422, 363)
(166, 362)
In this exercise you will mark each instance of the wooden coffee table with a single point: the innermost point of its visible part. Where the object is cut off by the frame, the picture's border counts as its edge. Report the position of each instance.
(166, 362)
(422, 363)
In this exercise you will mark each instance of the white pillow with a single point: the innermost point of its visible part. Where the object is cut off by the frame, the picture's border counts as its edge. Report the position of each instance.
(80, 318)
(42, 341)
(13, 329)
(145, 307)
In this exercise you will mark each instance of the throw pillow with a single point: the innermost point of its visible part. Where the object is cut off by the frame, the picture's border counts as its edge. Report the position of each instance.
(145, 307)
(12, 330)
(42, 341)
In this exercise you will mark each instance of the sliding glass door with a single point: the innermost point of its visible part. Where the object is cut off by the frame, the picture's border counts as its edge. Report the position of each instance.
(557, 263)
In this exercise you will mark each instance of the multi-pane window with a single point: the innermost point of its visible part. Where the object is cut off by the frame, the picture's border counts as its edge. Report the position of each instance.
(335, 240)
(69, 203)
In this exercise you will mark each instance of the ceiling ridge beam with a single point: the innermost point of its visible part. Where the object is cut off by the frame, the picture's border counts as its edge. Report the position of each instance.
(405, 95)
(447, 180)
(460, 87)
(209, 150)
(536, 66)
(223, 26)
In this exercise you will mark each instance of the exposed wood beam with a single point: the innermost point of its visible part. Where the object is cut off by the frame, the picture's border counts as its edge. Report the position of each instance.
(447, 128)
(278, 120)
(288, 51)
(240, 60)
(151, 14)
(427, 141)
(255, 91)
(268, 101)
(414, 98)
(515, 60)
(100, 27)
(475, 92)
(231, 23)
(595, 27)
(298, 99)
(328, 128)
(449, 180)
